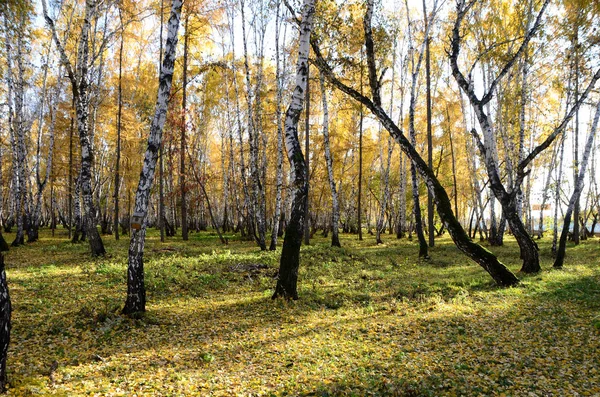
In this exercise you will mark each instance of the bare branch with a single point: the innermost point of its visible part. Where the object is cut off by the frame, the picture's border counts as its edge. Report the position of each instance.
(538, 21)
(558, 129)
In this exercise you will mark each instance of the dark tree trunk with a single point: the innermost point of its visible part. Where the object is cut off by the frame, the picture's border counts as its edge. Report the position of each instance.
(417, 214)
(5, 325)
(528, 247)
(3, 244)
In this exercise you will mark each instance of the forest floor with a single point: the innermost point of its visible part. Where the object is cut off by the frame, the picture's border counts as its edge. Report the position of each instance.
(371, 320)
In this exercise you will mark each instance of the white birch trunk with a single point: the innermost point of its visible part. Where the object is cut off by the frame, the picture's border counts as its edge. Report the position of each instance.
(335, 215)
(136, 293)
(253, 135)
(80, 84)
(290, 255)
(562, 246)
(279, 176)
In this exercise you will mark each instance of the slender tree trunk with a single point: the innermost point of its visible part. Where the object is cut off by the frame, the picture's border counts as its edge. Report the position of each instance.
(71, 134)
(576, 209)
(290, 256)
(279, 177)
(559, 171)
(257, 220)
(335, 212)
(184, 225)
(429, 134)
(136, 291)
(118, 154)
(562, 246)
(77, 221)
(545, 190)
(415, 66)
(3, 243)
(360, 164)
(453, 158)
(307, 158)
(16, 123)
(161, 150)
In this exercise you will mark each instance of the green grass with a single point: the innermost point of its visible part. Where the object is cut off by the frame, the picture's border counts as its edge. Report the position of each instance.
(371, 320)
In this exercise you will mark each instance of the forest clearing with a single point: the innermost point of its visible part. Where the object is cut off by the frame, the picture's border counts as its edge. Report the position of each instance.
(371, 320)
(299, 197)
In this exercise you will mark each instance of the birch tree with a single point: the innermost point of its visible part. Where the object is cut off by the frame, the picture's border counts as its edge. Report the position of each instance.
(335, 208)
(136, 292)
(254, 131)
(279, 78)
(499, 272)
(79, 77)
(506, 195)
(415, 67)
(562, 245)
(290, 255)
(3, 243)
(15, 80)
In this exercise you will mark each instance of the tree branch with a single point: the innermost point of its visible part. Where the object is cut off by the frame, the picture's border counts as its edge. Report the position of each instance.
(61, 49)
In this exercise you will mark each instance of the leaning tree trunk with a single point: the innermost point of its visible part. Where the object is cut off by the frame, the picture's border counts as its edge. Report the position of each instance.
(500, 273)
(335, 216)
(290, 255)
(562, 246)
(136, 292)
(5, 325)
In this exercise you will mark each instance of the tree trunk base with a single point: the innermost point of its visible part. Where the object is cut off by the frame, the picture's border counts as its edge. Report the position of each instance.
(5, 324)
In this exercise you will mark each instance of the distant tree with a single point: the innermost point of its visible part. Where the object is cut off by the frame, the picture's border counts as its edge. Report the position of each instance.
(560, 253)
(507, 195)
(335, 209)
(499, 272)
(80, 82)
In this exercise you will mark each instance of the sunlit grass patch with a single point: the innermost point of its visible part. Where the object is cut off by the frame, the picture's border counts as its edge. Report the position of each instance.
(371, 320)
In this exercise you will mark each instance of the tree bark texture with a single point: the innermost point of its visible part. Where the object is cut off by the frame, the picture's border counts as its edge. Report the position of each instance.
(290, 256)
(136, 292)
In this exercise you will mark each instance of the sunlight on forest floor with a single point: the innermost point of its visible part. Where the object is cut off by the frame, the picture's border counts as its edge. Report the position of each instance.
(370, 321)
